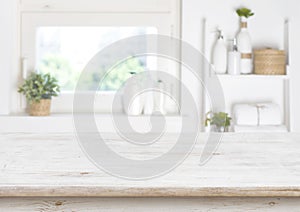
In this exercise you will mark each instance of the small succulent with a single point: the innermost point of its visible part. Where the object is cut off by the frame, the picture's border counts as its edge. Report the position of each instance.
(39, 86)
(244, 12)
(220, 119)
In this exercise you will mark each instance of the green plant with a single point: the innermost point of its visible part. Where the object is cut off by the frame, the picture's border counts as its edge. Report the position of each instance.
(220, 119)
(39, 86)
(244, 12)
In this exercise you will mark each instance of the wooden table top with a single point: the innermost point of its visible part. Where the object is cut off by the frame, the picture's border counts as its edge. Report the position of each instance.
(243, 165)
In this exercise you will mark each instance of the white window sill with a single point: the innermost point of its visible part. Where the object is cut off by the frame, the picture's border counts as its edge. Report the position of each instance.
(63, 123)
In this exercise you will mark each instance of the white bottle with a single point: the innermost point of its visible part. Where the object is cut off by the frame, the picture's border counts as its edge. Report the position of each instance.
(170, 104)
(159, 100)
(148, 98)
(234, 60)
(132, 101)
(148, 103)
(220, 55)
(245, 47)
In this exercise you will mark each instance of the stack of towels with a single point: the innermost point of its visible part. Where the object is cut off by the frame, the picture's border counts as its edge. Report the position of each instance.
(259, 117)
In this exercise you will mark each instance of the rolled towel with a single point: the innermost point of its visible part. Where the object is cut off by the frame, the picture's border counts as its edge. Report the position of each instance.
(269, 114)
(245, 114)
(265, 129)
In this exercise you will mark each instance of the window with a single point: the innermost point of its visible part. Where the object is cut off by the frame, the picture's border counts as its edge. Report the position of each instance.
(65, 51)
(61, 41)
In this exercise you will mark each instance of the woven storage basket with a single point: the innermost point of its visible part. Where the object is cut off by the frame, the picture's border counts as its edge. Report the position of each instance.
(41, 108)
(269, 62)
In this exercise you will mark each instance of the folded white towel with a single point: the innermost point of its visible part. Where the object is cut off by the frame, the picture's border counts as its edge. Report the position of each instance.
(245, 114)
(266, 128)
(269, 114)
(257, 114)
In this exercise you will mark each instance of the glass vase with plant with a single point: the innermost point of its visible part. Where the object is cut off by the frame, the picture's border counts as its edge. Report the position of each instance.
(220, 121)
(244, 44)
(39, 90)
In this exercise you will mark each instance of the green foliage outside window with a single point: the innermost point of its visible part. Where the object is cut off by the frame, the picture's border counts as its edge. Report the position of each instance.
(67, 76)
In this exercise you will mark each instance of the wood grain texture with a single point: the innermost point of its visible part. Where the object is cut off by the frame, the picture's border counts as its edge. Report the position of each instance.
(244, 165)
(149, 204)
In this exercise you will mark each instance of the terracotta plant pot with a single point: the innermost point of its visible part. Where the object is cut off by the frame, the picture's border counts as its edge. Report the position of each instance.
(41, 108)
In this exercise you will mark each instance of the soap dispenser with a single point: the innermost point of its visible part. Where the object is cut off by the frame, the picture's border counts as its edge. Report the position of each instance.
(234, 59)
(220, 55)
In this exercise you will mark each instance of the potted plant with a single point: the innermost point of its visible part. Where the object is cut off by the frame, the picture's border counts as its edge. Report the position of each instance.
(38, 90)
(220, 121)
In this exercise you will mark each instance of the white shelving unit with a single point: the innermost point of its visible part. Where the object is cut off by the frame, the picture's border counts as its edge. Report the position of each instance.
(250, 76)
(238, 87)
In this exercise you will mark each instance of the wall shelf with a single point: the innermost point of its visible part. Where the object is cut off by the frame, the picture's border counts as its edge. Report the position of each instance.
(249, 76)
(247, 88)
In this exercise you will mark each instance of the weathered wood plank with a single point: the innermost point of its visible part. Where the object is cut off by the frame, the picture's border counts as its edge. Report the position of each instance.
(243, 165)
(139, 191)
(149, 204)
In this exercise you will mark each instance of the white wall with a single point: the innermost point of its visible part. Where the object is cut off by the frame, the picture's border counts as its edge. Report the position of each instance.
(6, 51)
(264, 26)
(266, 29)
(294, 14)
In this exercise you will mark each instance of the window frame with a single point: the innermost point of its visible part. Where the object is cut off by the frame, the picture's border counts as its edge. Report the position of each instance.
(164, 15)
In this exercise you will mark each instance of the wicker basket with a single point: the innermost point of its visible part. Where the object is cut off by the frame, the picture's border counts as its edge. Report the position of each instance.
(41, 108)
(269, 62)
